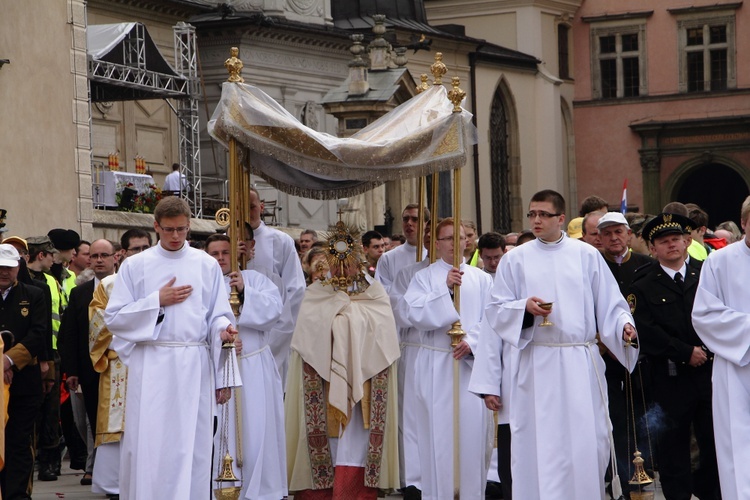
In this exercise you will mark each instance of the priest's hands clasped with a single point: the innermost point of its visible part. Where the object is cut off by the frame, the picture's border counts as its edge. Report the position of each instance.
(170, 295)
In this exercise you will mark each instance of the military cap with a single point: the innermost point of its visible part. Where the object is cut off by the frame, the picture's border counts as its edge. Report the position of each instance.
(64, 239)
(42, 243)
(664, 224)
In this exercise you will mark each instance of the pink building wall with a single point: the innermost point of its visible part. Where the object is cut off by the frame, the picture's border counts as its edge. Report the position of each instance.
(606, 147)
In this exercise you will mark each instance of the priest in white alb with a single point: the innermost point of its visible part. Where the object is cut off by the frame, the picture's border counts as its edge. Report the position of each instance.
(274, 251)
(391, 262)
(721, 317)
(261, 441)
(409, 342)
(168, 313)
(559, 421)
(429, 303)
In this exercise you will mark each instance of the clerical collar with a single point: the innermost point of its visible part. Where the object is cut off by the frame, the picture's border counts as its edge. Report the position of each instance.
(172, 254)
(557, 242)
(672, 272)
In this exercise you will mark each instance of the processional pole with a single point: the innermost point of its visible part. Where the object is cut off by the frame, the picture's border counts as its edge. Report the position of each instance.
(456, 333)
(233, 217)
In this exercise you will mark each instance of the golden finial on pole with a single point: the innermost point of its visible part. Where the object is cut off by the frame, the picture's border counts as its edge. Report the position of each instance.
(234, 66)
(456, 95)
(438, 69)
(423, 85)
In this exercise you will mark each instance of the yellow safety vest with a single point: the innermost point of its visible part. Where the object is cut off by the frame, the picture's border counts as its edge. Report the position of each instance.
(54, 289)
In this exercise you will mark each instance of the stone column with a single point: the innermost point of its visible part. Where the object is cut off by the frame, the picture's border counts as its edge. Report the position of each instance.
(651, 170)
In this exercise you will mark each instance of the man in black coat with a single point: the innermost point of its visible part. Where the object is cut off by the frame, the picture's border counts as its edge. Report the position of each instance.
(661, 299)
(22, 312)
(74, 330)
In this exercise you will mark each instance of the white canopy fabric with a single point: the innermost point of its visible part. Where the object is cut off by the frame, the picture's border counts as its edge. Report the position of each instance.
(420, 137)
(102, 38)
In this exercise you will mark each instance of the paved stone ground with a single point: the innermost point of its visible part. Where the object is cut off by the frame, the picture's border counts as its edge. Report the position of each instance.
(68, 487)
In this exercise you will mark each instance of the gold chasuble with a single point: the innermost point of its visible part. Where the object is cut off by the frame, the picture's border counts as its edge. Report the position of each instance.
(344, 350)
(110, 417)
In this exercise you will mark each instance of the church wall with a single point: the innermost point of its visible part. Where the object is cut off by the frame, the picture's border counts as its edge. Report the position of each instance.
(43, 123)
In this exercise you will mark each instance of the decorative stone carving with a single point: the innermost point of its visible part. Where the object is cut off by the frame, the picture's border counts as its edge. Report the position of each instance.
(304, 7)
(310, 113)
(104, 107)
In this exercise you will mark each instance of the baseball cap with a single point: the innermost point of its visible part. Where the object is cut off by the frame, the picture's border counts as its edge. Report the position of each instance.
(8, 255)
(612, 219)
(575, 228)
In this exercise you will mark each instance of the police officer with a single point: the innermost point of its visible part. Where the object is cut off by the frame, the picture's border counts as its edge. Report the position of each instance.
(23, 314)
(661, 299)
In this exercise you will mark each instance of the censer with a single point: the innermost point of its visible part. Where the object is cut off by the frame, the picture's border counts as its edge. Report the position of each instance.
(226, 480)
(640, 478)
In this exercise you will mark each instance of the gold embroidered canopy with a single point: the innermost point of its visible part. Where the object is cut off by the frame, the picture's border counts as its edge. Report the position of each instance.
(420, 137)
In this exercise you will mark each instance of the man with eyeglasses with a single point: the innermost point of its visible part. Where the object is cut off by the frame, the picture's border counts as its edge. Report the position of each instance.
(392, 262)
(169, 313)
(430, 310)
(110, 422)
(558, 401)
(74, 332)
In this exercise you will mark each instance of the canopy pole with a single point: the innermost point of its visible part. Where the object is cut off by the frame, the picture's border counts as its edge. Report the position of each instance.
(433, 216)
(456, 333)
(420, 224)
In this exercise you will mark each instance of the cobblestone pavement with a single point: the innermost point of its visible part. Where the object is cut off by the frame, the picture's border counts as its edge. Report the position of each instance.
(68, 487)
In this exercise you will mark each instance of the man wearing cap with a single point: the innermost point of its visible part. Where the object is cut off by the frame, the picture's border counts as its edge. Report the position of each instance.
(575, 228)
(614, 234)
(22, 312)
(41, 259)
(661, 299)
(721, 315)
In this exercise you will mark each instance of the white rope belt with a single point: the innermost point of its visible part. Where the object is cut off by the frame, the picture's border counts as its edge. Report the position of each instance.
(433, 348)
(158, 343)
(410, 344)
(565, 344)
(616, 487)
(250, 354)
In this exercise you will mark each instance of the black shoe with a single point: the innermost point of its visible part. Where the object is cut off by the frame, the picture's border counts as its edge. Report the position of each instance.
(47, 474)
(86, 479)
(412, 493)
(493, 491)
(78, 465)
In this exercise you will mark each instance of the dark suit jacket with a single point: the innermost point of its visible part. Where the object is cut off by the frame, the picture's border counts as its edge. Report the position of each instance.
(23, 314)
(74, 336)
(662, 311)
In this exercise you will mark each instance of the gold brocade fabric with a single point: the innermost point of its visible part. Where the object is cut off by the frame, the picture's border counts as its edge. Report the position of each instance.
(337, 420)
(420, 137)
(110, 418)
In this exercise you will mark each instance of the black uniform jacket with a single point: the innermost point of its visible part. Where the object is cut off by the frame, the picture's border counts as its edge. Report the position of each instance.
(23, 314)
(74, 335)
(662, 309)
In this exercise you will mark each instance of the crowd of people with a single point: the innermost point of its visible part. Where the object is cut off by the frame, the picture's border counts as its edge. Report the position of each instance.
(323, 368)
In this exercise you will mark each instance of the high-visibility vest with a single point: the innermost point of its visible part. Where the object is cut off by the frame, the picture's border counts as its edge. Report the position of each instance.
(54, 289)
(67, 286)
(474, 261)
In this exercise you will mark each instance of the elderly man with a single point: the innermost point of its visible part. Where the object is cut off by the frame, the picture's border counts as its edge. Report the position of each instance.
(614, 234)
(23, 313)
(721, 315)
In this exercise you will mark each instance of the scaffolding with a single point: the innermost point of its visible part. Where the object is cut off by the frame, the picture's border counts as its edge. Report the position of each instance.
(187, 114)
(125, 64)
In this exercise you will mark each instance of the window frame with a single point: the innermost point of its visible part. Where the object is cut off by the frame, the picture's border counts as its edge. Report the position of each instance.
(706, 21)
(638, 28)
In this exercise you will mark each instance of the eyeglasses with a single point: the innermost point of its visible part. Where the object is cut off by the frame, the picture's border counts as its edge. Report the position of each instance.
(97, 256)
(170, 230)
(450, 238)
(541, 214)
(139, 249)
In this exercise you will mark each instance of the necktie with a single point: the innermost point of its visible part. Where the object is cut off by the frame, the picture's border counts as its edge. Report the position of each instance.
(678, 280)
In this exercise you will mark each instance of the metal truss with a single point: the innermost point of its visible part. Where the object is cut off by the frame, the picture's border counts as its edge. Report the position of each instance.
(131, 79)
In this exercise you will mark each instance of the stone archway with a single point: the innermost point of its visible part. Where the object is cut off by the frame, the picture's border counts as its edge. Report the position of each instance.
(717, 187)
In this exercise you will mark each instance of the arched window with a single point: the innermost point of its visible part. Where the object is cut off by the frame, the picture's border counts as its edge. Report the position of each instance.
(500, 165)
